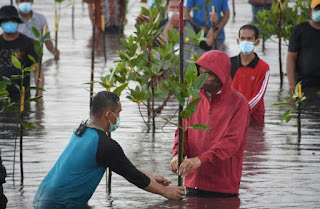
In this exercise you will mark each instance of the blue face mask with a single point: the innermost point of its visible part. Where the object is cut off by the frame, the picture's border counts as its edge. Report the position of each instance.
(9, 27)
(171, 13)
(316, 16)
(113, 127)
(25, 7)
(246, 47)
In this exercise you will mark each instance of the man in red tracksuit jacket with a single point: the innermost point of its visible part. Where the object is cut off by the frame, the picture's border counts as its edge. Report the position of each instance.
(249, 73)
(213, 166)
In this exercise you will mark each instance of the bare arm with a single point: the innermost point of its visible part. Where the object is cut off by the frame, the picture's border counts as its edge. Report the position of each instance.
(291, 68)
(169, 192)
(223, 20)
(212, 34)
(50, 47)
(41, 83)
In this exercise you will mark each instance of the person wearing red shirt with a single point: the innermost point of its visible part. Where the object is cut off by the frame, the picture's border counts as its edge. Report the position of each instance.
(250, 74)
(213, 166)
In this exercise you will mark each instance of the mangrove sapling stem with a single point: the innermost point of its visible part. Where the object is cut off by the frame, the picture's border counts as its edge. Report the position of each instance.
(279, 29)
(152, 103)
(40, 61)
(147, 124)
(22, 96)
(181, 29)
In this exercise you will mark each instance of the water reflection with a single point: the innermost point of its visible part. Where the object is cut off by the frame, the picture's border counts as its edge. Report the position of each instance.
(201, 203)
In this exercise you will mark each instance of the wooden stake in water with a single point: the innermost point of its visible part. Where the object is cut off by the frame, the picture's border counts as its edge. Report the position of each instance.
(181, 29)
(22, 95)
(109, 171)
(279, 28)
(40, 61)
(72, 23)
(92, 49)
(103, 27)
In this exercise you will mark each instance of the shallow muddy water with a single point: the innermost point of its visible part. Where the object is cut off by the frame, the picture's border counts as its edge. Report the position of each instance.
(280, 171)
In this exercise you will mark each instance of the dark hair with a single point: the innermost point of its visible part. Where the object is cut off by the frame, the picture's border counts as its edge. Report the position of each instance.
(169, 1)
(250, 27)
(102, 101)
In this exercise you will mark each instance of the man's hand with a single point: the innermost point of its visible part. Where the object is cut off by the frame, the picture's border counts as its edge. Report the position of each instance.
(174, 164)
(214, 19)
(56, 54)
(187, 165)
(174, 192)
(161, 180)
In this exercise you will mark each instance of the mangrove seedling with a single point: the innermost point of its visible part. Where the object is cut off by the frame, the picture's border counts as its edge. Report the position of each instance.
(293, 101)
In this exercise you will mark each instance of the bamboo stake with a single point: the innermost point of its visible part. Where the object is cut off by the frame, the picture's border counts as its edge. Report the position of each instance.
(279, 28)
(299, 111)
(56, 28)
(181, 29)
(93, 48)
(40, 61)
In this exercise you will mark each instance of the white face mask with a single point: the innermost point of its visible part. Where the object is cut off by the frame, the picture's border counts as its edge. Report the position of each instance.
(171, 13)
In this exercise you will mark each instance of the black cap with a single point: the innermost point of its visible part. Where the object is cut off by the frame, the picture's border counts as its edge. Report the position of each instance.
(8, 12)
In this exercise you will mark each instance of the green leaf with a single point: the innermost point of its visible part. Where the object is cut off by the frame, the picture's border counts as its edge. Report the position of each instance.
(35, 99)
(32, 58)
(28, 69)
(16, 62)
(286, 116)
(191, 74)
(178, 94)
(28, 125)
(200, 127)
(191, 33)
(201, 79)
(119, 89)
(185, 114)
(35, 32)
(193, 92)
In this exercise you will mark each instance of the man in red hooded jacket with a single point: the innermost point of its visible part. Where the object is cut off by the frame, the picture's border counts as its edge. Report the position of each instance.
(213, 164)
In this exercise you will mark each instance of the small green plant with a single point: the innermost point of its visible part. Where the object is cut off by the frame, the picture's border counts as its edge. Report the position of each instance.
(152, 67)
(293, 12)
(294, 101)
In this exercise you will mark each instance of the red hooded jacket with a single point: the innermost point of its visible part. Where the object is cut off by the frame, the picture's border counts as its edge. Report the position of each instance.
(220, 149)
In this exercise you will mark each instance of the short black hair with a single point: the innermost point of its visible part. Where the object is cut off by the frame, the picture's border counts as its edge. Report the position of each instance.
(250, 27)
(102, 101)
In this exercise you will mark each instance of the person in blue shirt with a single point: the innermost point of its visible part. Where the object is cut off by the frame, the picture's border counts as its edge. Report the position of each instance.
(79, 169)
(201, 16)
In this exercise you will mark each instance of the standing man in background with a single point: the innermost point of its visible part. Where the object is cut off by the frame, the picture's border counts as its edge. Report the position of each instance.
(303, 54)
(201, 16)
(249, 73)
(31, 19)
(12, 42)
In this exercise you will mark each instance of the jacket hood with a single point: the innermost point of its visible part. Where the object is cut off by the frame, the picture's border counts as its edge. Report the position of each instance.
(219, 63)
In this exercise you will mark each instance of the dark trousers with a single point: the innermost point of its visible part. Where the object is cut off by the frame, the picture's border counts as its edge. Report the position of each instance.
(202, 193)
